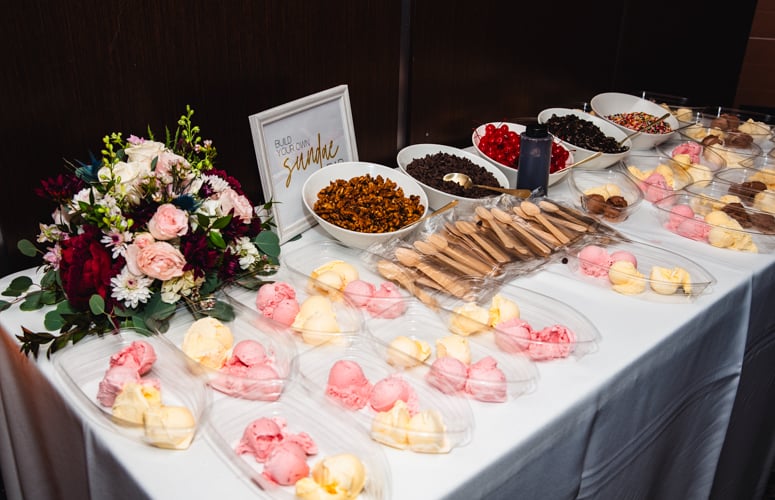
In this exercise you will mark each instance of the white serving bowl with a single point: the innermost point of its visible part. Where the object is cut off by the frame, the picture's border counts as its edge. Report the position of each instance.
(611, 103)
(436, 197)
(349, 170)
(511, 171)
(579, 153)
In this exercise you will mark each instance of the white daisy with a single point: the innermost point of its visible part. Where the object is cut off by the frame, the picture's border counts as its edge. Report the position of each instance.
(217, 183)
(130, 288)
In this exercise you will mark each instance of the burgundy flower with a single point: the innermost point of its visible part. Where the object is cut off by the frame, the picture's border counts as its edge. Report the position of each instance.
(233, 182)
(61, 188)
(86, 268)
(229, 266)
(199, 258)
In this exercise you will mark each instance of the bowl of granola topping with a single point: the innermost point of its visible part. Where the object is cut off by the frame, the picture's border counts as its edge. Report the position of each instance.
(361, 204)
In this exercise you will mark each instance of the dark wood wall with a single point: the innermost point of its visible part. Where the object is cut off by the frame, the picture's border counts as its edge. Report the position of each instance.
(417, 71)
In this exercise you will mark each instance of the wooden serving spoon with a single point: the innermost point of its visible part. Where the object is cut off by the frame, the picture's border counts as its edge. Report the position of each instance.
(532, 210)
(538, 246)
(411, 258)
(550, 207)
(441, 243)
(429, 250)
(394, 272)
(495, 224)
(469, 228)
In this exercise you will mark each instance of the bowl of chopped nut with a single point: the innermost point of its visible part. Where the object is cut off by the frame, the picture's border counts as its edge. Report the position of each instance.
(361, 204)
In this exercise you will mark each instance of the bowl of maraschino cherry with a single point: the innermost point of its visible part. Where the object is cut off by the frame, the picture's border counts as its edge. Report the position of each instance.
(498, 142)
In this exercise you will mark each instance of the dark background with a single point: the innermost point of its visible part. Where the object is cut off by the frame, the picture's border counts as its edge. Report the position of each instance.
(417, 71)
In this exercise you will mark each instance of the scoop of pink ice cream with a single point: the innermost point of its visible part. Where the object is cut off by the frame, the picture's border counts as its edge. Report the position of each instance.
(286, 464)
(678, 215)
(624, 255)
(391, 389)
(556, 341)
(694, 229)
(655, 187)
(259, 438)
(387, 302)
(248, 352)
(114, 380)
(139, 354)
(348, 384)
(359, 292)
(278, 301)
(447, 374)
(692, 149)
(513, 335)
(486, 382)
(594, 261)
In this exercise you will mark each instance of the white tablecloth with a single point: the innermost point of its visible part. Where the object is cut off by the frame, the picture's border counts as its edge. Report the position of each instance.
(643, 417)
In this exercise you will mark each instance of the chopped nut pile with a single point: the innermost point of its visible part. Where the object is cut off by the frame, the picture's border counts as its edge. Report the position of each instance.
(367, 204)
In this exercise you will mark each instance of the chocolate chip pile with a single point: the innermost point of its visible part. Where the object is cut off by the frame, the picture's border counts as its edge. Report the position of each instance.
(583, 133)
(431, 169)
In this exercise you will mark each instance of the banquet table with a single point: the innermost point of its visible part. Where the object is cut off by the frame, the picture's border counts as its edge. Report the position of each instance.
(644, 416)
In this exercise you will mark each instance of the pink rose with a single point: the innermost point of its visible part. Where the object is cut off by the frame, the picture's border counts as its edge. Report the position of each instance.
(241, 206)
(166, 161)
(160, 260)
(168, 222)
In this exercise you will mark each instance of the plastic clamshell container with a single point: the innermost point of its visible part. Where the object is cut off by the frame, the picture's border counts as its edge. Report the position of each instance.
(731, 154)
(641, 168)
(420, 324)
(331, 430)
(317, 258)
(582, 180)
(540, 312)
(723, 191)
(511, 172)
(684, 213)
(436, 197)
(759, 132)
(656, 288)
(247, 326)
(765, 173)
(83, 367)
(454, 412)
(349, 320)
(700, 162)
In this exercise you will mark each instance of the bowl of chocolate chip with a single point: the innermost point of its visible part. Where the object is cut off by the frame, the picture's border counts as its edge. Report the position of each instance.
(610, 194)
(584, 135)
(361, 204)
(427, 164)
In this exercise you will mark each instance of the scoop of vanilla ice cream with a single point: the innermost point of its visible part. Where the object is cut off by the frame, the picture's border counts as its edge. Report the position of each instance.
(605, 190)
(625, 278)
(427, 432)
(335, 274)
(208, 342)
(407, 352)
(133, 401)
(665, 281)
(454, 346)
(169, 427)
(765, 201)
(341, 476)
(469, 319)
(390, 427)
(502, 309)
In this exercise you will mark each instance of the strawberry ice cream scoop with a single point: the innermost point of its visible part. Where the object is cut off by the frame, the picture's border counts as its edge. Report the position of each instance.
(259, 438)
(655, 187)
(692, 149)
(594, 261)
(249, 353)
(278, 301)
(286, 464)
(139, 354)
(359, 292)
(678, 215)
(448, 375)
(387, 302)
(486, 382)
(624, 255)
(391, 389)
(348, 384)
(114, 380)
(513, 336)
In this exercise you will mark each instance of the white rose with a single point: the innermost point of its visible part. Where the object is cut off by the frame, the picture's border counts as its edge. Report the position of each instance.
(144, 152)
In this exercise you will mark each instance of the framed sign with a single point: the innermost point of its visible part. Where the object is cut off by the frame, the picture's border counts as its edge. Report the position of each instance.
(292, 141)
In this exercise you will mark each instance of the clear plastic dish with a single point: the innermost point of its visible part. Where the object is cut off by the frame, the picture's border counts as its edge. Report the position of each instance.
(687, 215)
(84, 366)
(332, 432)
(657, 274)
(699, 162)
(346, 274)
(416, 342)
(261, 374)
(594, 191)
(322, 316)
(656, 175)
(545, 328)
(740, 190)
(442, 421)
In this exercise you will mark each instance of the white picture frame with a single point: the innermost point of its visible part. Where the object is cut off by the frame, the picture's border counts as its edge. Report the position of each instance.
(292, 141)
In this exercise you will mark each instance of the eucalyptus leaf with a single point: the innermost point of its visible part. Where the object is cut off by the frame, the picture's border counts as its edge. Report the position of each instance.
(48, 279)
(53, 320)
(31, 302)
(268, 242)
(222, 311)
(4, 304)
(18, 286)
(97, 304)
(221, 222)
(27, 248)
(48, 297)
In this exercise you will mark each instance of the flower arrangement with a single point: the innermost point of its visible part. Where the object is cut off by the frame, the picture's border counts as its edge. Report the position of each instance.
(146, 227)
